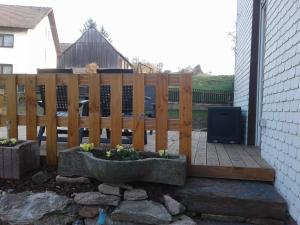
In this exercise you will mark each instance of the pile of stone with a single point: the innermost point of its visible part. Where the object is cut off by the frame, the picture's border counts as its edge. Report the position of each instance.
(128, 206)
(122, 204)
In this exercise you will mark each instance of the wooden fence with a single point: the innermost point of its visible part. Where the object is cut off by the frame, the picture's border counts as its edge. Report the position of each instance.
(94, 122)
(204, 96)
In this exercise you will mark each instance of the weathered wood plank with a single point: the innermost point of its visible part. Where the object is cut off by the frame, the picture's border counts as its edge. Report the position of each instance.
(51, 120)
(224, 159)
(234, 156)
(138, 112)
(11, 88)
(94, 109)
(212, 157)
(255, 154)
(185, 116)
(248, 160)
(73, 111)
(161, 112)
(31, 111)
(116, 110)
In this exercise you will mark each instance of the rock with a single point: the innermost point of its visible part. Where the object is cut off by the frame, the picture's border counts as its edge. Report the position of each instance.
(173, 206)
(264, 221)
(108, 221)
(96, 198)
(125, 186)
(232, 198)
(54, 219)
(223, 218)
(40, 177)
(109, 190)
(135, 194)
(148, 212)
(28, 208)
(213, 222)
(88, 211)
(62, 179)
(80, 222)
(183, 220)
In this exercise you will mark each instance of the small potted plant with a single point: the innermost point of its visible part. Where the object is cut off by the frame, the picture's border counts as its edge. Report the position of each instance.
(123, 164)
(18, 157)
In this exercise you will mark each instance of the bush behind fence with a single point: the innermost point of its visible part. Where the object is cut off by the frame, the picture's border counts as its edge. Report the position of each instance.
(205, 96)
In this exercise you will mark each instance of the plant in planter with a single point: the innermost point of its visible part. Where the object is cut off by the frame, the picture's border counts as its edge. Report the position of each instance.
(18, 157)
(122, 164)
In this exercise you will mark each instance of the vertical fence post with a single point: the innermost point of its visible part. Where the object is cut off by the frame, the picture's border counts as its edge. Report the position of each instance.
(138, 112)
(11, 88)
(73, 110)
(31, 113)
(116, 110)
(161, 136)
(185, 117)
(94, 109)
(51, 119)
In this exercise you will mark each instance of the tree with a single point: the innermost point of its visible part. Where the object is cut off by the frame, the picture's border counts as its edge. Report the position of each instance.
(89, 24)
(197, 70)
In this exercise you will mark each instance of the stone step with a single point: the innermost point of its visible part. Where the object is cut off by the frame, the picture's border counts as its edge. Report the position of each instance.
(232, 198)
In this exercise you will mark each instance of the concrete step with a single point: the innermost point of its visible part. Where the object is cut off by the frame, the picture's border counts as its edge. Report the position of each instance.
(233, 198)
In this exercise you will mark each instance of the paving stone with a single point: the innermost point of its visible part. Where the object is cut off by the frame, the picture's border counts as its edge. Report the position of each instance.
(28, 208)
(147, 212)
(54, 219)
(173, 206)
(109, 189)
(264, 221)
(88, 211)
(135, 194)
(62, 179)
(183, 220)
(223, 218)
(234, 198)
(96, 198)
(40, 177)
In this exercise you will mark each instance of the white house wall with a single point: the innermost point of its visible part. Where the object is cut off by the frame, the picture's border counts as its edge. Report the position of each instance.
(242, 68)
(32, 49)
(281, 99)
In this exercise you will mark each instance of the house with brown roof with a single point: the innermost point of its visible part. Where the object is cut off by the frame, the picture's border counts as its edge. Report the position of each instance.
(28, 39)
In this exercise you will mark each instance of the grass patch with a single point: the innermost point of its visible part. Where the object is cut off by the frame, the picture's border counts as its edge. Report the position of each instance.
(199, 117)
(209, 82)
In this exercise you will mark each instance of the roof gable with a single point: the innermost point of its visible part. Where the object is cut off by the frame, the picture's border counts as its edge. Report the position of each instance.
(26, 17)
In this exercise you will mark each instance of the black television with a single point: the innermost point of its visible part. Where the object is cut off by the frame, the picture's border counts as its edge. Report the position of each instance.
(224, 125)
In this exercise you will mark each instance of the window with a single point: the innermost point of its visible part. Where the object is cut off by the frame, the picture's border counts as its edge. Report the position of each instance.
(6, 69)
(7, 40)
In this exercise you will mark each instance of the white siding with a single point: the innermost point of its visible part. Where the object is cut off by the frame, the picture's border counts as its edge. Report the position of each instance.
(32, 49)
(242, 68)
(281, 99)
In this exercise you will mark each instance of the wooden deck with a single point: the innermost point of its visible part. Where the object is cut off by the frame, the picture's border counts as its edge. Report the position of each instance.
(208, 160)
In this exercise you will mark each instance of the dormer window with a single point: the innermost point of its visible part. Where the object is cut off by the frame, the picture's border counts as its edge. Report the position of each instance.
(6, 40)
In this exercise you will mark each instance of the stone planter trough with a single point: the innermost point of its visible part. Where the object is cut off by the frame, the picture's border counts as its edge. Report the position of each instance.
(17, 160)
(74, 162)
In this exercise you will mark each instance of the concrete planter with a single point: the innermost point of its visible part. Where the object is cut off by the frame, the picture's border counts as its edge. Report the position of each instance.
(17, 160)
(73, 162)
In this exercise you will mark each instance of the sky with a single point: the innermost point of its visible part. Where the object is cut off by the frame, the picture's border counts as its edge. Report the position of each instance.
(178, 33)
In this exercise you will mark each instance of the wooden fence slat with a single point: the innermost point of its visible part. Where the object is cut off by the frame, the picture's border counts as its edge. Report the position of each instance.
(94, 109)
(73, 111)
(51, 120)
(11, 88)
(138, 111)
(30, 101)
(161, 137)
(185, 117)
(116, 110)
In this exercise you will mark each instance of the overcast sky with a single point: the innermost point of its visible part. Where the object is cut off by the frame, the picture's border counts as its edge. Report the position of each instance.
(178, 33)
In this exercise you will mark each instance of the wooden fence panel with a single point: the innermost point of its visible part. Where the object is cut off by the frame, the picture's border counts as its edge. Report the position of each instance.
(51, 119)
(185, 117)
(30, 101)
(161, 136)
(138, 111)
(116, 110)
(73, 111)
(94, 109)
(11, 88)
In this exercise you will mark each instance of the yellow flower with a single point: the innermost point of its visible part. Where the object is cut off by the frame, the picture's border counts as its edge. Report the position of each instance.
(119, 148)
(87, 146)
(108, 154)
(13, 140)
(163, 152)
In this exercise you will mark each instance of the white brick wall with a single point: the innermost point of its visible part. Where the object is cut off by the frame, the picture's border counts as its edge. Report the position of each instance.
(280, 144)
(242, 59)
(281, 99)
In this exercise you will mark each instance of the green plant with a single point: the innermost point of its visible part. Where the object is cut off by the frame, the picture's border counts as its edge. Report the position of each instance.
(123, 153)
(163, 153)
(10, 142)
(86, 147)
